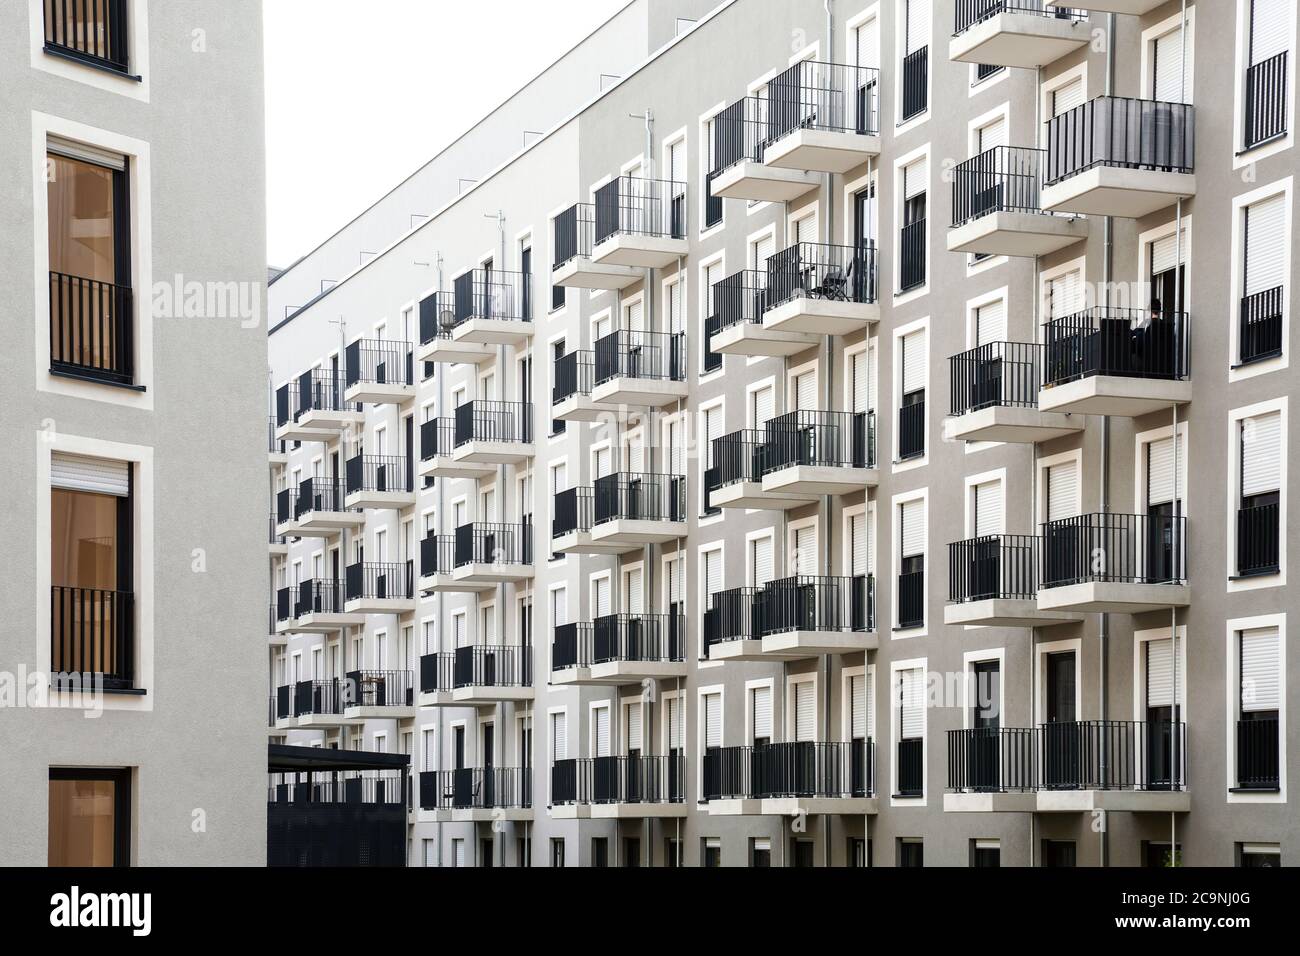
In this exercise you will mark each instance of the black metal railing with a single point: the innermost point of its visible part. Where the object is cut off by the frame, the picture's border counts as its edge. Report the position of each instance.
(712, 203)
(734, 615)
(1002, 566)
(494, 543)
(814, 270)
(739, 457)
(1260, 329)
(634, 779)
(911, 599)
(992, 760)
(284, 702)
(574, 232)
(1117, 548)
(574, 375)
(320, 494)
(436, 671)
(477, 788)
(633, 206)
(1258, 754)
(911, 251)
(574, 508)
(842, 769)
(91, 30)
(286, 505)
(1112, 755)
(92, 331)
(740, 297)
(92, 631)
(437, 316)
(377, 473)
(492, 294)
(821, 603)
(1001, 179)
(916, 83)
(366, 688)
(316, 596)
(1120, 132)
(632, 353)
(911, 766)
(273, 445)
(493, 665)
(1258, 539)
(437, 438)
(315, 390)
(378, 362)
(638, 496)
(318, 697)
(436, 552)
(379, 580)
(626, 637)
(822, 439)
(1129, 343)
(1266, 108)
(1003, 374)
(968, 13)
(824, 96)
(326, 788)
(911, 429)
(740, 134)
(493, 421)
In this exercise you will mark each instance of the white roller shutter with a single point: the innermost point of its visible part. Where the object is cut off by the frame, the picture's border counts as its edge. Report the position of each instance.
(805, 550)
(560, 736)
(993, 134)
(1066, 294)
(762, 552)
(991, 323)
(988, 508)
(764, 403)
(915, 178)
(634, 728)
(869, 43)
(712, 572)
(712, 276)
(675, 320)
(712, 720)
(560, 604)
(713, 425)
(459, 850)
(861, 371)
(805, 229)
(1260, 687)
(1261, 454)
(458, 630)
(805, 712)
(1067, 97)
(918, 24)
(762, 704)
(1160, 471)
(677, 162)
(602, 597)
(858, 707)
(602, 731)
(871, 538)
(805, 391)
(1167, 76)
(602, 463)
(873, 399)
(1062, 491)
(763, 250)
(98, 475)
(1160, 674)
(911, 699)
(913, 345)
(635, 459)
(675, 582)
(1268, 29)
(85, 152)
(674, 723)
(635, 316)
(1265, 231)
(859, 558)
(676, 451)
(912, 534)
(1165, 254)
(635, 602)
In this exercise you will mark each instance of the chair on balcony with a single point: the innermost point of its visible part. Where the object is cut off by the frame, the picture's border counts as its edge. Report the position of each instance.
(834, 285)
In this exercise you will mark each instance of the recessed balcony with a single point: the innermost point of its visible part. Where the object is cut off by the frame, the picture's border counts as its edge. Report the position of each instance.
(437, 344)
(475, 675)
(619, 649)
(312, 408)
(631, 787)
(486, 554)
(640, 223)
(821, 289)
(571, 393)
(631, 509)
(574, 231)
(635, 368)
(379, 695)
(792, 619)
(1018, 33)
(822, 117)
(320, 509)
(820, 453)
(379, 371)
(793, 778)
(438, 453)
(742, 134)
(997, 207)
(1110, 361)
(1119, 157)
(380, 588)
(736, 326)
(314, 607)
(493, 433)
(994, 391)
(478, 794)
(735, 480)
(378, 482)
(492, 307)
(993, 582)
(1114, 563)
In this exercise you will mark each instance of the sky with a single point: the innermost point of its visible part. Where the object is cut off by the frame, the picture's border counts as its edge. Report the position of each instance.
(359, 93)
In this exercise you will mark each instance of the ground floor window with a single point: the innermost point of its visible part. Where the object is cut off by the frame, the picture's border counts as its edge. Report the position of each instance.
(90, 817)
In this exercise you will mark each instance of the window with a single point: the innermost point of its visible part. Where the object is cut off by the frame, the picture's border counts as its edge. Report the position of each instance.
(1264, 270)
(985, 854)
(911, 731)
(911, 852)
(92, 599)
(557, 851)
(94, 33)
(89, 818)
(1258, 705)
(599, 852)
(760, 852)
(911, 567)
(1169, 82)
(1266, 74)
(912, 241)
(802, 854)
(916, 59)
(91, 305)
(1258, 511)
(1258, 854)
(713, 205)
(711, 275)
(911, 412)
(1058, 853)
(710, 852)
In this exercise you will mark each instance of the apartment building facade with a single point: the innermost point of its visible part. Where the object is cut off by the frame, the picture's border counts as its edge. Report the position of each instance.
(741, 473)
(134, 294)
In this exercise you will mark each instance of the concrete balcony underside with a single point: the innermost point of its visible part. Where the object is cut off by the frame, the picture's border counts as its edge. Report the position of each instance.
(758, 182)
(386, 712)
(326, 721)
(330, 419)
(483, 815)
(296, 431)
(582, 273)
(753, 339)
(314, 523)
(1132, 7)
(1005, 612)
(375, 393)
(320, 623)
(637, 811)
(581, 542)
(581, 408)
(820, 480)
(1118, 191)
(445, 466)
(1025, 40)
(633, 533)
(794, 646)
(652, 392)
(821, 151)
(453, 352)
(1024, 234)
(640, 252)
(491, 332)
(493, 453)
(377, 605)
(791, 806)
(446, 583)
(1115, 395)
(615, 673)
(1070, 801)
(476, 575)
(1117, 597)
(750, 495)
(380, 500)
(1010, 423)
(821, 316)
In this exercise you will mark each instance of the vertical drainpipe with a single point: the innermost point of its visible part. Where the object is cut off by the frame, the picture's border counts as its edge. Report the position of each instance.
(647, 443)
(828, 350)
(1035, 317)
(1108, 256)
(1177, 537)
(438, 599)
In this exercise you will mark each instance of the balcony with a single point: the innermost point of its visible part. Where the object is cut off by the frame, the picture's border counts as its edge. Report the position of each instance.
(1258, 754)
(92, 33)
(379, 588)
(474, 675)
(1258, 540)
(1133, 8)
(1260, 326)
(486, 554)
(377, 482)
(312, 408)
(277, 638)
(314, 607)
(92, 632)
(619, 788)
(478, 794)
(822, 117)
(821, 289)
(492, 307)
(742, 134)
(1109, 361)
(572, 522)
(631, 509)
(1119, 157)
(640, 223)
(437, 343)
(820, 453)
(1020, 33)
(438, 453)
(997, 206)
(736, 326)
(319, 705)
(286, 512)
(277, 454)
(992, 770)
(278, 546)
(993, 582)
(792, 619)
(319, 510)
(639, 368)
(619, 649)
(1115, 563)
(379, 695)
(791, 779)
(378, 371)
(739, 462)
(438, 566)
(571, 399)
(493, 433)
(575, 231)
(994, 390)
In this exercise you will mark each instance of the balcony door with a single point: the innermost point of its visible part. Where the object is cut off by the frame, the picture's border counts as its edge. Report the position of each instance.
(1164, 505)
(1061, 752)
(1163, 699)
(489, 761)
(985, 721)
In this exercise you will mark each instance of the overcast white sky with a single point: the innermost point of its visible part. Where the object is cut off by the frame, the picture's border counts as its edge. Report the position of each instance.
(361, 92)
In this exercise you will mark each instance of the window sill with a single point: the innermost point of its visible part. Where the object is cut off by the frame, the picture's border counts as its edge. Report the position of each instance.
(1256, 360)
(1262, 143)
(1254, 789)
(93, 64)
(94, 379)
(1255, 575)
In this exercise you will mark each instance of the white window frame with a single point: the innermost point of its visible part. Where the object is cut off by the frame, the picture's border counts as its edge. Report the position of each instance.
(1232, 686)
(1282, 187)
(1235, 418)
(895, 548)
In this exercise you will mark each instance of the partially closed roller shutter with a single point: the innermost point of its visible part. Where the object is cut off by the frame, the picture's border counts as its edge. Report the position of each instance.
(915, 178)
(98, 475)
(918, 24)
(1265, 232)
(988, 508)
(712, 572)
(858, 707)
(1166, 253)
(1260, 687)
(602, 597)
(764, 406)
(859, 559)
(911, 703)
(869, 43)
(913, 531)
(560, 736)
(1067, 97)
(993, 134)
(1062, 491)
(674, 723)
(713, 720)
(805, 550)
(991, 323)
(1268, 29)
(762, 704)
(1261, 454)
(805, 712)
(762, 560)
(763, 250)
(634, 728)
(1167, 82)
(805, 391)
(602, 732)
(1160, 471)
(1160, 674)
(913, 345)
(634, 588)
